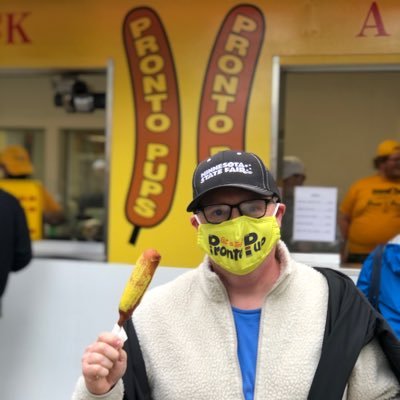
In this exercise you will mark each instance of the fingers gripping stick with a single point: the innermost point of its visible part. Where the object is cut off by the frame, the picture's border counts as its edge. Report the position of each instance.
(136, 286)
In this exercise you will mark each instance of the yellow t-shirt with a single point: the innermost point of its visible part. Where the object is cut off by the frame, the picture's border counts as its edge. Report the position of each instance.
(373, 205)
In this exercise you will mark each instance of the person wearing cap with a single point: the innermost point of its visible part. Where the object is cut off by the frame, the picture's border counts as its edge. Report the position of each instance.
(370, 211)
(293, 174)
(249, 322)
(15, 163)
(379, 280)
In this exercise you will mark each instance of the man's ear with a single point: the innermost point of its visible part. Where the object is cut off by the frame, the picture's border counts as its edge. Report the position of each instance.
(194, 221)
(280, 212)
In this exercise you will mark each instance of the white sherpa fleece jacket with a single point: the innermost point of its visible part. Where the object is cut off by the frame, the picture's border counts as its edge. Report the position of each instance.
(188, 338)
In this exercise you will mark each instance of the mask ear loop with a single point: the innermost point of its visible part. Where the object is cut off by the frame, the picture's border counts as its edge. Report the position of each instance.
(197, 219)
(276, 209)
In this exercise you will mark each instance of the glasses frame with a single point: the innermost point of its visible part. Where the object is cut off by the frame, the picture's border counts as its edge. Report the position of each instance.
(200, 209)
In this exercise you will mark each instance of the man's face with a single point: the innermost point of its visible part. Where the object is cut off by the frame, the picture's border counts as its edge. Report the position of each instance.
(234, 196)
(297, 179)
(391, 167)
(291, 182)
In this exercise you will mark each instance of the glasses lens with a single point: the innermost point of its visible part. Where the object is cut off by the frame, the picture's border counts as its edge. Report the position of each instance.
(217, 213)
(253, 208)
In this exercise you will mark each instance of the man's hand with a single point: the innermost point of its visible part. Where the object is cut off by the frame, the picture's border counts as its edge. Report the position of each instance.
(103, 363)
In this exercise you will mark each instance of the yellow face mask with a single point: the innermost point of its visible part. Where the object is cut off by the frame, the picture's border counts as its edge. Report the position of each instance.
(239, 245)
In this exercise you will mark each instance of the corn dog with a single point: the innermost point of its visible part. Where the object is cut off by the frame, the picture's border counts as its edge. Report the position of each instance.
(137, 284)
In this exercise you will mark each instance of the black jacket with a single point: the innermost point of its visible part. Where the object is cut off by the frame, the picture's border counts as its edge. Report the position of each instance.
(351, 323)
(15, 243)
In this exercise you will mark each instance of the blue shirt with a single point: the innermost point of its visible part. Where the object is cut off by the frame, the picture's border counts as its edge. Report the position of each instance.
(389, 293)
(247, 324)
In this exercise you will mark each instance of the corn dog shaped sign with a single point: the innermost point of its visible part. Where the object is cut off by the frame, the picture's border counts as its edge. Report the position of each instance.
(227, 84)
(157, 117)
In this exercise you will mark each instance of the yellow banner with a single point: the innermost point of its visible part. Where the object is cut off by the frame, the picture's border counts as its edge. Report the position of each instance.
(190, 79)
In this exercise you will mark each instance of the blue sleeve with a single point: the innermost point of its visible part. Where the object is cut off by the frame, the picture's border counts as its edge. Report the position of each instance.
(364, 278)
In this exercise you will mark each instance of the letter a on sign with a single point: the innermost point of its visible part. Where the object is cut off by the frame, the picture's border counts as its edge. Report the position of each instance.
(377, 22)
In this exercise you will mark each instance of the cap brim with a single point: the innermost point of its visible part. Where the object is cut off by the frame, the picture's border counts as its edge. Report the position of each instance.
(193, 205)
(20, 170)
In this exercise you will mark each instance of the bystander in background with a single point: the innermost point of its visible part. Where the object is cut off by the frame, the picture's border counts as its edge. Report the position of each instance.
(15, 243)
(370, 211)
(15, 163)
(293, 174)
(379, 280)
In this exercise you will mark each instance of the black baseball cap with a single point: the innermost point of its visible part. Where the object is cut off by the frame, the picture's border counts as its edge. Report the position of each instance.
(232, 169)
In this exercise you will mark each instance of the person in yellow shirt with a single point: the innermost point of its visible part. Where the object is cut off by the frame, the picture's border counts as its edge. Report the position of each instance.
(370, 211)
(15, 163)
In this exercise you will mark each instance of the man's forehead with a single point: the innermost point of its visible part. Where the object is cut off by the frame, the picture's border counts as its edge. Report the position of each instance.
(227, 193)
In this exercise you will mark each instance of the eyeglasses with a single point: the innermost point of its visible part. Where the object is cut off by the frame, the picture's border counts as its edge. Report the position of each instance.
(217, 213)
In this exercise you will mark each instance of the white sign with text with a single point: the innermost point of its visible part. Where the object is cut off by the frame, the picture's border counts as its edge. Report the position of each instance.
(315, 213)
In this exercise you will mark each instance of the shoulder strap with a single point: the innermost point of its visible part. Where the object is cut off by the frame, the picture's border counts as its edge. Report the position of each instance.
(135, 379)
(375, 285)
(351, 323)
(349, 326)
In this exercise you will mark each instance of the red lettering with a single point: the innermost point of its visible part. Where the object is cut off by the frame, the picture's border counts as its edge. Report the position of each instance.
(15, 31)
(376, 24)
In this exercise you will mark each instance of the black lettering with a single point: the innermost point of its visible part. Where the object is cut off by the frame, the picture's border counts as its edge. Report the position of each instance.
(250, 238)
(213, 240)
(259, 244)
(238, 254)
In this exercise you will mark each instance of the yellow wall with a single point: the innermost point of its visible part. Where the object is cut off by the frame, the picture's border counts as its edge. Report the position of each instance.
(86, 34)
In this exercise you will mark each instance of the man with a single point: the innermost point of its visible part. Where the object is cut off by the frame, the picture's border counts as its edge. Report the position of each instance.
(293, 174)
(249, 322)
(15, 163)
(370, 211)
(15, 244)
(388, 281)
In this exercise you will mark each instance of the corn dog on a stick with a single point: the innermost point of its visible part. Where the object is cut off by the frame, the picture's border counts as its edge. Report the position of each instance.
(137, 284)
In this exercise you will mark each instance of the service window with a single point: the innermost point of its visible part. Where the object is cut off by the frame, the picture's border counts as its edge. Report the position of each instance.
(84, 190)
